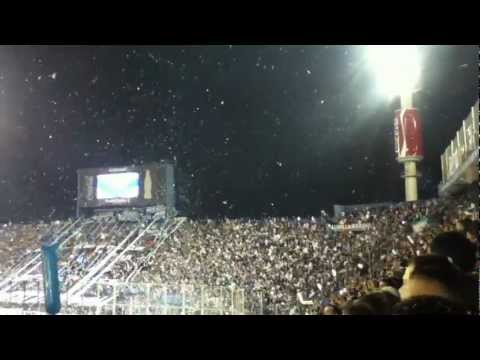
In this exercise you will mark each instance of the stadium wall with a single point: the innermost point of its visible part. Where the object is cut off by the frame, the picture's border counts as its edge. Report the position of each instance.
(459, 162)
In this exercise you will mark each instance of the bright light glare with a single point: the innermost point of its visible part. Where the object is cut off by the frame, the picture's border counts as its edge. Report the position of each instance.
(397, 68)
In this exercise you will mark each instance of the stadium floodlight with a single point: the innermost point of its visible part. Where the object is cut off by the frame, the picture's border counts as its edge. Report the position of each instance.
(397, 68)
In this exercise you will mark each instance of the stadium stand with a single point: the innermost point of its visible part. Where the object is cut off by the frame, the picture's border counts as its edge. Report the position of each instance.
(242, 266)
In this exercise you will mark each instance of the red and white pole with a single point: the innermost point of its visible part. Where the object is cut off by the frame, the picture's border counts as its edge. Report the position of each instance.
(409, 144)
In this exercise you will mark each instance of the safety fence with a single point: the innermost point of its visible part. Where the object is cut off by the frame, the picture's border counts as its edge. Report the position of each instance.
(117, 298)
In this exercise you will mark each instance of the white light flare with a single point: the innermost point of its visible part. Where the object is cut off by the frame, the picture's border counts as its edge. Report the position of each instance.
(397, 68)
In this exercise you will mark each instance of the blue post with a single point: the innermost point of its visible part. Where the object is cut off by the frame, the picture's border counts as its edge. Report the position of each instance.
(51, 283)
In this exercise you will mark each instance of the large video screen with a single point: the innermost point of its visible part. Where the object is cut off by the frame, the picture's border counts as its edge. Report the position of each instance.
(118, 186)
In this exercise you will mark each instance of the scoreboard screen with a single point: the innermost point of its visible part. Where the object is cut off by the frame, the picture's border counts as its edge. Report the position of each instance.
(139, 186)
(118, 186)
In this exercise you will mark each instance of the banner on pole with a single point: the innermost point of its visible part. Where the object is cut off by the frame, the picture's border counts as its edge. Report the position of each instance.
(51, 283)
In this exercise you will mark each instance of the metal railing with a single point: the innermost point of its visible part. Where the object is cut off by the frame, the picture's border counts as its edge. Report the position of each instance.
(117, 298)
(91, 250)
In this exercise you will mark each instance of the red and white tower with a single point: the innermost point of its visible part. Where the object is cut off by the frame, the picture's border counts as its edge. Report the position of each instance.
(398, 72)
(409, 144)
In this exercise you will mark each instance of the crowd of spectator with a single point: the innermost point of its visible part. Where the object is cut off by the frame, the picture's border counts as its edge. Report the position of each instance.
(19, 242)
(292, 261)
(83, 247)
(294, 266)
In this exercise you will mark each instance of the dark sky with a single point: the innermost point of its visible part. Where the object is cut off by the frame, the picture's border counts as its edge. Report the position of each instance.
(255, 130)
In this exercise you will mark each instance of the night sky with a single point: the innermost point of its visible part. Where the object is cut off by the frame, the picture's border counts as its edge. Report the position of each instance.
(254, 130)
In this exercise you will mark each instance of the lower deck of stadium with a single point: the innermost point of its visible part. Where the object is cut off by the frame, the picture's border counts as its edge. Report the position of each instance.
(243, 266)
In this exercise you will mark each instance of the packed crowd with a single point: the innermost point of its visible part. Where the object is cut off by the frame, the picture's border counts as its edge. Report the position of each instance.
(286, 266)
(19, 242)
(293, 261)
(82, 248)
